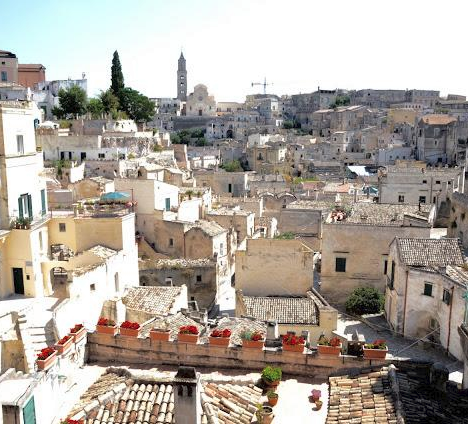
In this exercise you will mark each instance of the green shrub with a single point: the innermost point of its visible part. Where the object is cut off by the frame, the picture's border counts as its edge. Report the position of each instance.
(271, 374)
(365, 300)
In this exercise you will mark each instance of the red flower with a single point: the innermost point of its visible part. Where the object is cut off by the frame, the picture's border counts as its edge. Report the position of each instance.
(76, 328)
(256, 336)
(106, 322)
(63, 340)
(130, 325)
(188, 329)
(45, 353)
(70, 421)
(335, 342)
(292, 340)
(218, 333)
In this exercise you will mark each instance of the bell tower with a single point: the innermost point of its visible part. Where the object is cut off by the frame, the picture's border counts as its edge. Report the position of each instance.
(182, 79)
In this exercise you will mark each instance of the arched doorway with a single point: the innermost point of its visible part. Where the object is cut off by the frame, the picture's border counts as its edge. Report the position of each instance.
(229, 134)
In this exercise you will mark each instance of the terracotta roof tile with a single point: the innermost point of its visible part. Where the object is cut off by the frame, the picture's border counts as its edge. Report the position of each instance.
(430, 252)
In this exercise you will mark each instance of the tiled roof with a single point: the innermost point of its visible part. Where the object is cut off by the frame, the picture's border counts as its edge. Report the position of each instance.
(116, 399)
(430, 252)
(385, 214)
(438, 119)
(285, 310)
(172, 323)
(231, 403)
(210, 228)
(154, 300)
(177, 263)
(237, 327)
(365, 398)
(229, 211)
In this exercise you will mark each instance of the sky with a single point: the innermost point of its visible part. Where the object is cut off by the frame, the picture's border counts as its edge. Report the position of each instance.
(297, 45)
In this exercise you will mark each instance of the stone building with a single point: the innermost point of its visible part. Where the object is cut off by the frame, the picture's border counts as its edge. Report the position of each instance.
(437, 139)
(355, 250)
(457, 226)
(223, 183)
(309, 313)
(182, 79)
(274, 267)
(200, 103)
(243, 222)
(414, 182)
(426, 286)
(200, 276)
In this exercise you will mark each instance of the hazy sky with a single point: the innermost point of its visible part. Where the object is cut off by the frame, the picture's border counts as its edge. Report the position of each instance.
(296, 44)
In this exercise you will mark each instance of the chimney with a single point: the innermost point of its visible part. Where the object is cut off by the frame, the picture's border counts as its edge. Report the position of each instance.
(187, 396)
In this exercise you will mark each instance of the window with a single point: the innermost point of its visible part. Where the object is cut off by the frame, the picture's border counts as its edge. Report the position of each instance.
(20, 144)
(101, 155)
(199, 278)
(168, 281)
(340, 265)
(62, 227)
(168, 203)
(4, 76)
(171, 242)
(385, 267)
(446, 297)
(401, 198)
(92, 287)
(427, 289)
(424, 182)
(437, 181)
(392, 276)
(422, 199)
(25, 206)
(43, 202)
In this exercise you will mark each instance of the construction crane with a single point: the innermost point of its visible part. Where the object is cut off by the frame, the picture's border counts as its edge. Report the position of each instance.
(264, 83)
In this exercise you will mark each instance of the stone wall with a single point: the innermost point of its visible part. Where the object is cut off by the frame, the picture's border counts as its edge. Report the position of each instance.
(137, 351)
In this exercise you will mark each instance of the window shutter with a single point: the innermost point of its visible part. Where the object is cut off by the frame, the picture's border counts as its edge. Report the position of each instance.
(20, 207)
(30, 206)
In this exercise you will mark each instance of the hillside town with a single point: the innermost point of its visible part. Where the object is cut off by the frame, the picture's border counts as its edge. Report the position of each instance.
(286, 259)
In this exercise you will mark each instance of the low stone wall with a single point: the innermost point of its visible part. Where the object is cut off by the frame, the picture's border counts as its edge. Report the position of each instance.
(143, 351)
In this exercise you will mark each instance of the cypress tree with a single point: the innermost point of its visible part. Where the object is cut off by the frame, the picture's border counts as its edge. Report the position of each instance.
(117, 79)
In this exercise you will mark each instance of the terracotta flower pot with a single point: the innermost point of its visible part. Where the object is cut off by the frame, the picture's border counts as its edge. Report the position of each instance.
(318, 405)
(252, 344)
(293, 348)
(80, 335)
(272, 401)
(64, 348)
(45, 364)
(107, 329)
(188, 338)
(375, 353)
(329, 350)
(220, 341)
(129, 332)
(271, 385)
(160, 336)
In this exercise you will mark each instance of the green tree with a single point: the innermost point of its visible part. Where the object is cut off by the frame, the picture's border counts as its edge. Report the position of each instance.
(201, 142)
(136, 105)
(73, 101)
(58, 112)
(95, 108)
(110, 101)
(175, 138)
(232, 166)
(364, 300)
(117, 79)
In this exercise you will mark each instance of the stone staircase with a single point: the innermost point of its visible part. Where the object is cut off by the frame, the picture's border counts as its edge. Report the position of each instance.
(37, 332)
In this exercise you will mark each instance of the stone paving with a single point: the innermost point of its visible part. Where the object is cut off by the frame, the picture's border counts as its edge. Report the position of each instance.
(398, 347)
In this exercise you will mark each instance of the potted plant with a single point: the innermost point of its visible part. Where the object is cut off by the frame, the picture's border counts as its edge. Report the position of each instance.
(264, 414)
(252, 340)
(327, 346)
(46, 358)
(376, 350)
(130, 329)
(315, 395)
(106, 326)
(271, 376)
(64, 345)
(78, 332)
(272, 397)
(160, 334)
(293, 343)
(318, 405)
(188, 334)
(220, 337)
